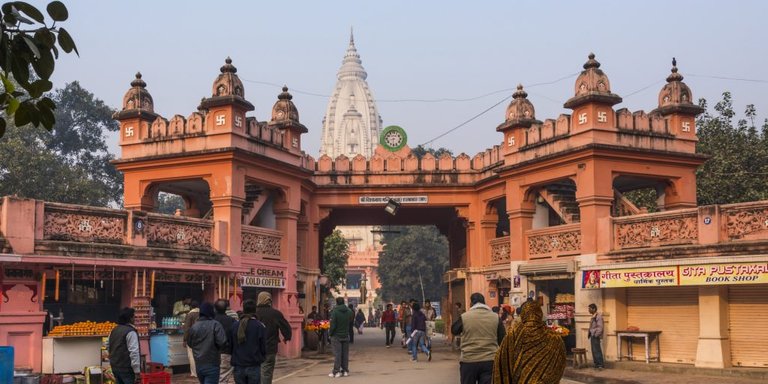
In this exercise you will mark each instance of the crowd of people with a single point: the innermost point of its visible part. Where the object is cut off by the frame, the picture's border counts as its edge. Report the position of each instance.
(223, 344)
(496, 346)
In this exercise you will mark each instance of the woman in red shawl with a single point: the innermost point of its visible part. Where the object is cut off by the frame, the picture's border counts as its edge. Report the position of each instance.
(530, 353)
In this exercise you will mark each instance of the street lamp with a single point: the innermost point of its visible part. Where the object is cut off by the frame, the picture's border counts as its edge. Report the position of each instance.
(392, 206)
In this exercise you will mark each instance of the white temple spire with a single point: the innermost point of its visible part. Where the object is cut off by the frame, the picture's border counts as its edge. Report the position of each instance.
(352, 124)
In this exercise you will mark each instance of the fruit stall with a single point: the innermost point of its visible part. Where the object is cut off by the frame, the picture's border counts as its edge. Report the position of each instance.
(69, 348)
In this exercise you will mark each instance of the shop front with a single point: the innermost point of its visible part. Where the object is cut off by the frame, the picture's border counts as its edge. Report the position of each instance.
(706, 313)
(553, 285)
(263, 279)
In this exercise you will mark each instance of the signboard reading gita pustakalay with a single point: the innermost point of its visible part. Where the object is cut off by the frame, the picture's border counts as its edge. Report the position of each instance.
(682, 275)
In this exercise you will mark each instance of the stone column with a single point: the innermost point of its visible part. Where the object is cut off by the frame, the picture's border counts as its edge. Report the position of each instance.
(228, 216)
(714, 348)
(287, 300)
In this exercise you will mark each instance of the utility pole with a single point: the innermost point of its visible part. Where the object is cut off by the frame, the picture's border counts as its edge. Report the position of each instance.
(423, 298)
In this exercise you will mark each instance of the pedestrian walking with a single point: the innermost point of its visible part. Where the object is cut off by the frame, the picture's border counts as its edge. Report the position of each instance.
(226, 321)
(360, 321)
(405, 322)
(481, 333)
(530, 352)
(248, 338)
(388, 323)
(341, 318)
(595, 334)
(190, 317)
(207, 340)
(276, 326)
(124, 350)
(419, 334)
(431, 314)
(351, 324)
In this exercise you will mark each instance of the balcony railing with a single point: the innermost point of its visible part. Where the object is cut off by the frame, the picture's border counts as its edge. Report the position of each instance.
(556, 241)
(179, 232)
(745, 221)
(261, 243)
(65, 222)
(656, 229)
(500, 250)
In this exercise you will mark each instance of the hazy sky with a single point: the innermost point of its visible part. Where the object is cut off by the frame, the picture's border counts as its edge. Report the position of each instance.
(424, 50)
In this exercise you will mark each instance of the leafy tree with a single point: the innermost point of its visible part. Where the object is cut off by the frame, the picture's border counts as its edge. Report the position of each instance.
(335, 256)
(27, 41)
(421, 150)
(168, 203)
(737, 170)
(71, 163)
(416, 250)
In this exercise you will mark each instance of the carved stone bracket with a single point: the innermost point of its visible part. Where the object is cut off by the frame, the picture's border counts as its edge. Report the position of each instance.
(554, 243)
(161, 233)
(500, 250)
(70, 226)
(261, 243)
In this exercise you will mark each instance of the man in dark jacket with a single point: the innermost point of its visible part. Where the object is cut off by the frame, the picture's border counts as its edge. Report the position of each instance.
(341, 320)
(226, 321)
(419, 334)
(124, 351)
(248, 339)
(276, 324)
(207, 340)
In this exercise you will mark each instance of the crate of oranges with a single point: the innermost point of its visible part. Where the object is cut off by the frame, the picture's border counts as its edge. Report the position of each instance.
(83, 328)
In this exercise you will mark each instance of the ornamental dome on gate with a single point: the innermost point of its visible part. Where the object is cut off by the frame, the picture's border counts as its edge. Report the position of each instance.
(138, 97)
(676, 96)
(592, 85)
(520, 112)
(228, 83)
(284, 112)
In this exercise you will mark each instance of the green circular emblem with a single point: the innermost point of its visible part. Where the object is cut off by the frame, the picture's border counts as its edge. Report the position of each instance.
(393, 138)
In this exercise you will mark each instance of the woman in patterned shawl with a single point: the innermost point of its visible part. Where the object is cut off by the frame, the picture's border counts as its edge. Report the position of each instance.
(530, 353)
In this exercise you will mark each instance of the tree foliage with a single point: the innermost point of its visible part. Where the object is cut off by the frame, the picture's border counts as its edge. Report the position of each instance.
(69, 164)
(737, 170)
(335, 256)
(28, 42)
(421, 150)
(416, 249)
(168, 203)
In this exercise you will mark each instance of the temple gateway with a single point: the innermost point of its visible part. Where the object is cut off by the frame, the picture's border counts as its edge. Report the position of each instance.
(541, 213)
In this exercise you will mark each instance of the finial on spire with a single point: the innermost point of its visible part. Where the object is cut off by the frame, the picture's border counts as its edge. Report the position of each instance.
(519, 94)
(591, 63)
(228, 67)
(285, 95)
(138, 82)
(351, 35)
(674, 76)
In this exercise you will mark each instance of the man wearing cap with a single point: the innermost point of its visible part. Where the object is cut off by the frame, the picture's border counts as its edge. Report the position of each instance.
(207, 340)
(276, 324)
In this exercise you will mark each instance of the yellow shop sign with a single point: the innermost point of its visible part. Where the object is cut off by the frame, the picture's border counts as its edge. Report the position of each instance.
(682, 275)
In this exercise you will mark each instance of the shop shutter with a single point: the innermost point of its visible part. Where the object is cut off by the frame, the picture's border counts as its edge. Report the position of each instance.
(672, 310)
(747, 306)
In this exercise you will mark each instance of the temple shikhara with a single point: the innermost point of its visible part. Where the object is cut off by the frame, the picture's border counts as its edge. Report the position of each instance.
(541, 213)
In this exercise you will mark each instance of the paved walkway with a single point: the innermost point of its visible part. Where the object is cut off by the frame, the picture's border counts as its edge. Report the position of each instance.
(371, 363)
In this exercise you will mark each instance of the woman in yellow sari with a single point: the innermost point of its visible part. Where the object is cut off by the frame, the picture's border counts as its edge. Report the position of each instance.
(530, 353)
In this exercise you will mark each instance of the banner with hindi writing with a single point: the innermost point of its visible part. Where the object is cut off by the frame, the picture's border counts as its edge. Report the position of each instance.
(635, 277)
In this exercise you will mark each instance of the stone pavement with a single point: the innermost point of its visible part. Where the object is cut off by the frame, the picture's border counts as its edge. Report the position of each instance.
(372, 363)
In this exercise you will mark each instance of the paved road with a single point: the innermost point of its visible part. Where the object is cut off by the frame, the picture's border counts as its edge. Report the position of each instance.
(372, 363)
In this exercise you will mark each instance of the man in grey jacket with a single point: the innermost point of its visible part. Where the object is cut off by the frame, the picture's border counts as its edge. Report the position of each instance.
(481, 333)
(207, 340)
(595, 335)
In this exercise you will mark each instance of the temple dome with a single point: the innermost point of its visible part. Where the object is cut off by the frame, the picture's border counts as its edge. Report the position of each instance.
(228, 83)
(592, 85)
(675, 92)
(138, 97)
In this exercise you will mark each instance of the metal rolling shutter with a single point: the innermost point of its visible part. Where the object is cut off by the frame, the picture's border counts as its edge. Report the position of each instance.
(747, 306)
(672, 310)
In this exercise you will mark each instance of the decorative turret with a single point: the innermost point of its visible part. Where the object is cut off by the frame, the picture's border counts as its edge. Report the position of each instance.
(138, 97)
(520, 114)
(592, 85)
(285, 117)
(137, 114)
(225, 109)
(676, 96)
(677, 107)
(227, 89)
